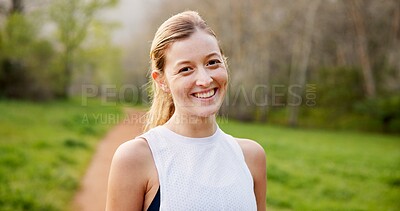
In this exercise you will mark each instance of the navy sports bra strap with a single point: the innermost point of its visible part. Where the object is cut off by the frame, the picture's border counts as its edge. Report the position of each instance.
(155, 204)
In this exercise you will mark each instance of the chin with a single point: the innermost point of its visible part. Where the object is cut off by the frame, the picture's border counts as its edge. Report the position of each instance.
(206, 114)
(202, 112)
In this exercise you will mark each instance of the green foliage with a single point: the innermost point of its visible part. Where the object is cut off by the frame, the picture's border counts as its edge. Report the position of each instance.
(335, 119)
(385, 109)
(36, 67)
(339, 87)
(102, 59)
(322, 170)
(24, 60)
(73, 19)
(17, 36)
(341, 104)
(43, 156)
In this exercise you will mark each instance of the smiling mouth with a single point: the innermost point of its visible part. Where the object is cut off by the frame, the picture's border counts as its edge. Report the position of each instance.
(204, 95)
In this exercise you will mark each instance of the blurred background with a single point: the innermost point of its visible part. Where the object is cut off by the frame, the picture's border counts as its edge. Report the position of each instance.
(316, 82)
(296, 63)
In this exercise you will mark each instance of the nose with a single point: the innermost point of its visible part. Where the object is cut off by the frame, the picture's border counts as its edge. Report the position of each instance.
(203, 78)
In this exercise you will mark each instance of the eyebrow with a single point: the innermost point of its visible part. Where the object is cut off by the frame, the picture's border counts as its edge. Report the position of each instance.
(214, 53)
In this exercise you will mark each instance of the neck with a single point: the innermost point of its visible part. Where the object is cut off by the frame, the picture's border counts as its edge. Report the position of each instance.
(192, 126)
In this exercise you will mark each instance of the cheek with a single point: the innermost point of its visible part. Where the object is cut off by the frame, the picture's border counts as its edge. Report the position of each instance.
(221, 77)
(180, 88)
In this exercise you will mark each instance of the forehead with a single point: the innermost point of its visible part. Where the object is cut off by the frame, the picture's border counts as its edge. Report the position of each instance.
(198, 45)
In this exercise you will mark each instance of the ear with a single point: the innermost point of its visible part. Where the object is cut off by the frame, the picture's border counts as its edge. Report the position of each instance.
(160, 80)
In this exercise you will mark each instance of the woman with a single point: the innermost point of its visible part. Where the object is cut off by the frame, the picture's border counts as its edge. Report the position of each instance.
(185, 161)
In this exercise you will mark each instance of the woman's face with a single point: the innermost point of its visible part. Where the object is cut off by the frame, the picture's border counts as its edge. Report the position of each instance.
(196, 75)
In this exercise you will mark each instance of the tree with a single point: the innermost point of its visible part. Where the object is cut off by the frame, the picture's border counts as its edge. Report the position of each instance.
(24, 59)
(17, 6)
(362, 47)
(352, 44)
(73, 19)
(301, 56)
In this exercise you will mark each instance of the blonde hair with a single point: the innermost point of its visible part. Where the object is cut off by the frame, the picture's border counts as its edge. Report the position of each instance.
(177, 27)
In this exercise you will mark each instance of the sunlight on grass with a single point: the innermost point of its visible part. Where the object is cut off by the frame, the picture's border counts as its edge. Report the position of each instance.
(45, 149)
(326, 170)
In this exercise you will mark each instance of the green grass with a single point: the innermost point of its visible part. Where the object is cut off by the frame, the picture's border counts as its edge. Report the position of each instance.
(326, 170)
(45, 149)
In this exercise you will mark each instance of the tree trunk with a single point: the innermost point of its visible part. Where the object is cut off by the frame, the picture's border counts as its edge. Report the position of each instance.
(299, 77)
(362, 48)
(396, 24)
(67, 73)
(17, 6)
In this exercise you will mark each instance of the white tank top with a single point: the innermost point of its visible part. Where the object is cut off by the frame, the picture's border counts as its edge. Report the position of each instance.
(201, 173)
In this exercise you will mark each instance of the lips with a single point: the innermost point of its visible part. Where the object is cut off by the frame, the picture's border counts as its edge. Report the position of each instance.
(205, 94)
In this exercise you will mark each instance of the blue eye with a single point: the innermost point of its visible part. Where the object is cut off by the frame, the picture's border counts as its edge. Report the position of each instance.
(213, 62)
(185, 69)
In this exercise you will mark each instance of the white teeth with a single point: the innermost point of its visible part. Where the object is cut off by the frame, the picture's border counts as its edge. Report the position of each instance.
(205, 94)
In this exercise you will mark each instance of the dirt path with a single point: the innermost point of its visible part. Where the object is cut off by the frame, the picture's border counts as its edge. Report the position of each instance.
(93, 191)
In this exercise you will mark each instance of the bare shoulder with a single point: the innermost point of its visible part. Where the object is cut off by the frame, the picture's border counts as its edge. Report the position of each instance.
(255, 158)
(252, 150)
(135, 152)
(132, 159)
(130, 171)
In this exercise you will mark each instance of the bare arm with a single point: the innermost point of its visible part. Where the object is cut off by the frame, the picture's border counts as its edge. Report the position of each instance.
(256, 161)
(128, 176)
